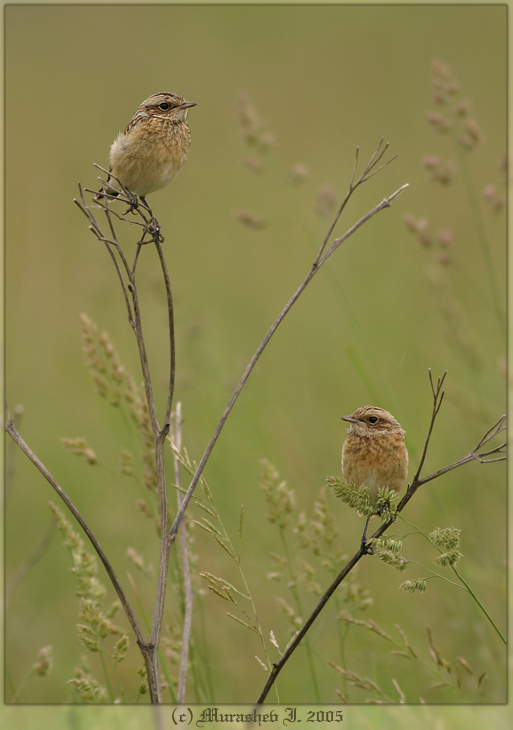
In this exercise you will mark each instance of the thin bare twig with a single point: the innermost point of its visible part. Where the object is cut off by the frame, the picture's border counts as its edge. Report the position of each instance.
(317, 264)
(366, 174)
(438, 395)
(96, 229)
(13, 433)
(10, 451)
(474, 455)
(385, 203)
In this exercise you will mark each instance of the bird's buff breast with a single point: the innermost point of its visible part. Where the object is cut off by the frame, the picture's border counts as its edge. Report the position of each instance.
(379, 461)
(150, 156)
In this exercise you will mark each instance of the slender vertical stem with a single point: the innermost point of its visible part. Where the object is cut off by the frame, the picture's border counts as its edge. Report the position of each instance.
(148, 387)
(483, 609)
(187, 622)
(165, 546)
(171, 318)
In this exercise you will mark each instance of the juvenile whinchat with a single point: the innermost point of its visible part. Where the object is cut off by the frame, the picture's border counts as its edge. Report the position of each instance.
(374, 453)
(153, 148)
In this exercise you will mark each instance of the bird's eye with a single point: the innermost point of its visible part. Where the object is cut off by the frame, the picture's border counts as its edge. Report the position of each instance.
(164, 106)
(373, 419)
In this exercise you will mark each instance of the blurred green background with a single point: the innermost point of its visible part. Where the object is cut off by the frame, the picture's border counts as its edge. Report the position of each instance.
(383, 311)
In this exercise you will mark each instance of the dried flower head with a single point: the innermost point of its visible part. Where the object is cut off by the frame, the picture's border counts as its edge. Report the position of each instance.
(325, 200)
(298, 174)
(249, 219)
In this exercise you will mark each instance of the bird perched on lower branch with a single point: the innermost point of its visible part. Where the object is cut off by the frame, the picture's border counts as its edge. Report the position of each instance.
(374, 454)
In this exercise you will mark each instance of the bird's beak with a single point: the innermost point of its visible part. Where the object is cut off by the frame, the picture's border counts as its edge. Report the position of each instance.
(349, 419)
(187, 104)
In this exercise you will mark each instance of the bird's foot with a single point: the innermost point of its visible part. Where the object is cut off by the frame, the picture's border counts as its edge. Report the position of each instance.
(133, 202)
(153, 231)
(366, 548)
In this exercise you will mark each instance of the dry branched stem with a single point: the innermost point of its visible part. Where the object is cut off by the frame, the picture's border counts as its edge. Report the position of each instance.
(142, 215)
(319, 260)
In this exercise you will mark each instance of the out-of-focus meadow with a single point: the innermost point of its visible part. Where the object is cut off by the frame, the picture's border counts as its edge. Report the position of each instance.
(385, 309)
